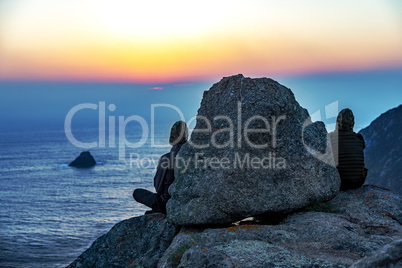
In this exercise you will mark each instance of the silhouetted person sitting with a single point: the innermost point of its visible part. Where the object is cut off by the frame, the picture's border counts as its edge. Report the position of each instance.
(164, 176)
(347, 148)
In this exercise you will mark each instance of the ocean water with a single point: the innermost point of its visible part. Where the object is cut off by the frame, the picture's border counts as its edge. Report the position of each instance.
(50, 213)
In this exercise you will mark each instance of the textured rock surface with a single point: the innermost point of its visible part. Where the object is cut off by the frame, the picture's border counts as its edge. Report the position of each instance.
(240, 253)
(289, 178)
(383, 153)
(356, 224)
(136, 242)
(84, 160)
(386, 257)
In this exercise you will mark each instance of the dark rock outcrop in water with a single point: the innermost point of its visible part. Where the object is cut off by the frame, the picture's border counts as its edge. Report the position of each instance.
(284, 176)
(136, 242)
(383, 153)
(359, 226)
(84, 160)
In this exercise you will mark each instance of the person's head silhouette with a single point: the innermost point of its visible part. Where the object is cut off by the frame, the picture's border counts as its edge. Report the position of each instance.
(345, 120)
(178, 133)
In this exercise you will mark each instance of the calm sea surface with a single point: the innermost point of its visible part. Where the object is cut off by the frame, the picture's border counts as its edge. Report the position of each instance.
(50, 212)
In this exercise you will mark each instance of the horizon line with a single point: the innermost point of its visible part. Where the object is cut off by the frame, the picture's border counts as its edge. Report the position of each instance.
(195, 79)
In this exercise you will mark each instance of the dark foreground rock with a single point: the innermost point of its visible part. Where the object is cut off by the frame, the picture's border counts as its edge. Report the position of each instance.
(283, 166)
(136, 242)
(84, 160)
(339, 233)
(359, 227)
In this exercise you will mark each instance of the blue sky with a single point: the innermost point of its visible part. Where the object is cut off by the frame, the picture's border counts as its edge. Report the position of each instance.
(25, 105)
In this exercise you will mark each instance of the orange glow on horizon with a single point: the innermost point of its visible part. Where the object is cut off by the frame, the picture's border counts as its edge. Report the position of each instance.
(168, 45)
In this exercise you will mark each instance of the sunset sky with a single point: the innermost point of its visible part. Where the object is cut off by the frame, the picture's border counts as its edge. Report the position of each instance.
(178, 40)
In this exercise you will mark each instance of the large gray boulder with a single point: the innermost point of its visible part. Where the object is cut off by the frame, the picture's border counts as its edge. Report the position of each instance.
(362, 224)
(229, 171)
(136, 242)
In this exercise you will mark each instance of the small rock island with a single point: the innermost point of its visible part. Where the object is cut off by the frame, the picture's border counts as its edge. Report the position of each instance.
(84, 160)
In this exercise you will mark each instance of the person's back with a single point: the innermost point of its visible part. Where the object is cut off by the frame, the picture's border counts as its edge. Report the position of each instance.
(164, 176)
(347, 148)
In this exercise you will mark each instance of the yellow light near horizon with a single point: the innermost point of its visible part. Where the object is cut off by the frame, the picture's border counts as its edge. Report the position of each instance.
(165, 40)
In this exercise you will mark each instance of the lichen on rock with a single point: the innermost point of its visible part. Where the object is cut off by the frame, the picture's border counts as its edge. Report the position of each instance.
(357, 229)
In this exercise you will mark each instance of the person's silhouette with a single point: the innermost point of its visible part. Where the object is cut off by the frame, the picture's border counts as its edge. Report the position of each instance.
(164, 176)
(347, 148)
